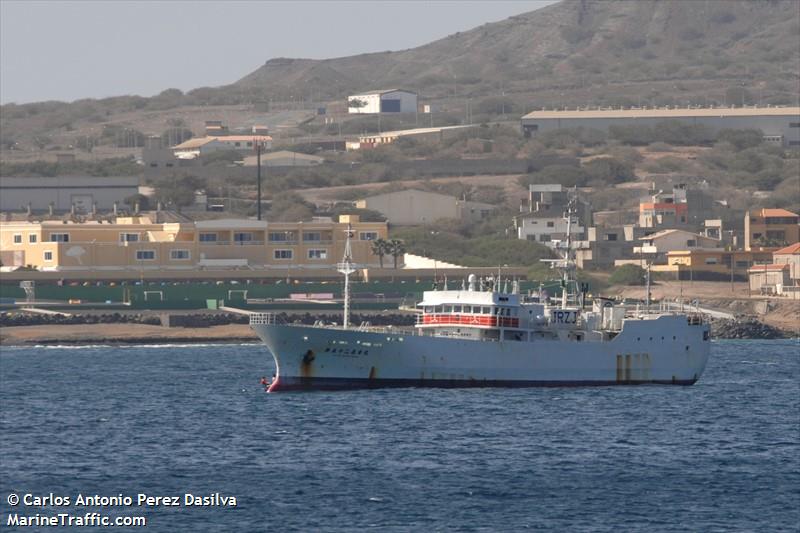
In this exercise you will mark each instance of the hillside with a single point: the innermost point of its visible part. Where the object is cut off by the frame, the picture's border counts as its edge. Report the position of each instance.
(578, 44)
(576, 52)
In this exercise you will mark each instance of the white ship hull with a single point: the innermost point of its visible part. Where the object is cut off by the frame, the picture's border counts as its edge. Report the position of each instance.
(664, 350)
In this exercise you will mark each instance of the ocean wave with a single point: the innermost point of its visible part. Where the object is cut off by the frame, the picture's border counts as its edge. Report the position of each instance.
(124, 345)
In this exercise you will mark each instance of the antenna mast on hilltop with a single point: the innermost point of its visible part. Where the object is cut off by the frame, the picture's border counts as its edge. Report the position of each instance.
(347, 267)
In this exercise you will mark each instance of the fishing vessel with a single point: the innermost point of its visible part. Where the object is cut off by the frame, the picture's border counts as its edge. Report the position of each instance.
(487, 335)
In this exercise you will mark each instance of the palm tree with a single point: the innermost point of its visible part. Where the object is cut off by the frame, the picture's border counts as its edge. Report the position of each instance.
(380, 247)
(396, 248)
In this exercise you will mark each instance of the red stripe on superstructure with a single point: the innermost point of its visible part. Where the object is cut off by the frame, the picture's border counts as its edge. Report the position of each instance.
(470, 320)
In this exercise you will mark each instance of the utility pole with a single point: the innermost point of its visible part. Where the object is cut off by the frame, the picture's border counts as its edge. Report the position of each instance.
(258, 166)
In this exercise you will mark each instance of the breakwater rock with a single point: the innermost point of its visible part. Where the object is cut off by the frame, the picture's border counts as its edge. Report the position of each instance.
(195, 320)
(748, 328)
(26, 319)
(204, 320)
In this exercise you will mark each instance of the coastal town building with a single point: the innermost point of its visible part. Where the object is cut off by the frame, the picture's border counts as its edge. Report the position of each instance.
(712, 265)
(545, 222)
(412, 206)
(770, 228)
(284, 158)
(681, 208)
(80, 194)
(713, 229)
(769, 279)
(780, 125)
(605, 245)
(781, 278)
(215, 127)
(383, 101)
(789, 255)
(139, 243)
(669, 240)
(425, 135)
(200, 146)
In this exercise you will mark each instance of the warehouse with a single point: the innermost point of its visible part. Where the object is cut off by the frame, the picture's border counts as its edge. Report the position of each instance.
(780, 125)
(84, 193)
(386, 101)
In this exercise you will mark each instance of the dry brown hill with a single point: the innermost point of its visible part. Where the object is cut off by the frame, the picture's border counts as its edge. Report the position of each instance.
(575, 52)
(725, 44)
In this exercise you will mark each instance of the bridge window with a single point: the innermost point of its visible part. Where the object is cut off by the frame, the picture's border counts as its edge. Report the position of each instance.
(456, 308)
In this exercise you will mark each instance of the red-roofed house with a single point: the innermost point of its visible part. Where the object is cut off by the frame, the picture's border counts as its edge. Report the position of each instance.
(789, 256)
(782, 277)
(770, 228)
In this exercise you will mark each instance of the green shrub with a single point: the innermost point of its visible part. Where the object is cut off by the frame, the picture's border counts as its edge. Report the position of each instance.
(566, 175)
(487, 250)
(665, 165)
(221, 157)
(609, 170)
(627, 275)
(741, 139)
(660, 147)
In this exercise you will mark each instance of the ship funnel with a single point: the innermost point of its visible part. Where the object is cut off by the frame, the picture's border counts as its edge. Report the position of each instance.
(472, 279)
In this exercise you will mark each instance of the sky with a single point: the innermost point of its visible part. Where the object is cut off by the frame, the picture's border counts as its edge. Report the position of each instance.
(68, 50)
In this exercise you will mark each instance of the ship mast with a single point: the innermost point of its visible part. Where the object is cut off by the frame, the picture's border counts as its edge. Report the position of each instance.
(347, 267)
(565, 264)
(568, 263)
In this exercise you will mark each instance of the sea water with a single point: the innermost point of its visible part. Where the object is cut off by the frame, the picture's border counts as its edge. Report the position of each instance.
(167, 421)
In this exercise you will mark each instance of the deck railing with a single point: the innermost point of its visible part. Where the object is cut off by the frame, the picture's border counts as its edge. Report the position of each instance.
(263, 319)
